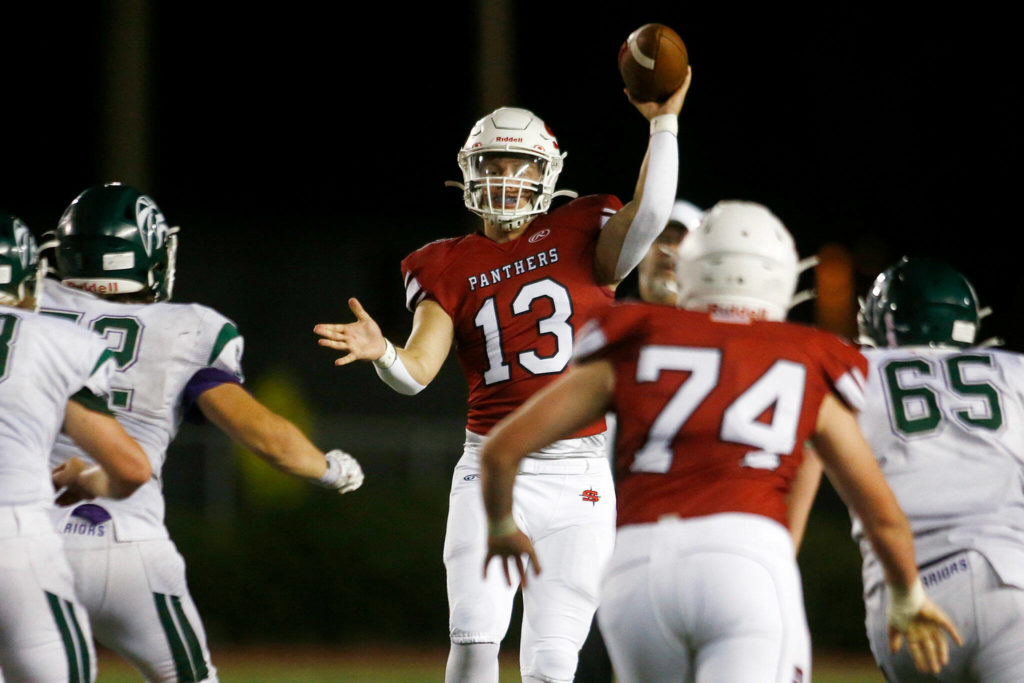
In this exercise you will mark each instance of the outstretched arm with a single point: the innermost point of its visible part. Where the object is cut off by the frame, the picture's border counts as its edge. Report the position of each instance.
(122, 464)
(628, 234)
(852, 469)
(571, 402)
(277, 440)
(407, 369)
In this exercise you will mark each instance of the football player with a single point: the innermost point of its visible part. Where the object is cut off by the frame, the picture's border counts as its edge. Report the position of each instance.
(53, 376)
(714, 402)
(945, 417)
(115, 260)
(510, 296)
(656, 279)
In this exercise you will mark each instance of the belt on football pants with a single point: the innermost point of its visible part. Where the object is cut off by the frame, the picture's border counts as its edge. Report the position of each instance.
(25, 520)
(560, 465)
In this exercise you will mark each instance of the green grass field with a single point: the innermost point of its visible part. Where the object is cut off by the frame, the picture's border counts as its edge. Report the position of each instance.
(305, 665)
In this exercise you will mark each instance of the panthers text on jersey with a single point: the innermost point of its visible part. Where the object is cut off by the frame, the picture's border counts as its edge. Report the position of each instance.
(43, 362)
(166, 355)
(517, 305)
(713, 411)
(947, 429)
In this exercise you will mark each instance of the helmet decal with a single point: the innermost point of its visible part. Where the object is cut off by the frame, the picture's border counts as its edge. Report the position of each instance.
(152, 225)
(25, 244)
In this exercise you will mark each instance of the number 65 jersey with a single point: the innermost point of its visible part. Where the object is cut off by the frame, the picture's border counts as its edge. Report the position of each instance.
(166, 355)
(516, 305)
(713, 410)
(947, 429)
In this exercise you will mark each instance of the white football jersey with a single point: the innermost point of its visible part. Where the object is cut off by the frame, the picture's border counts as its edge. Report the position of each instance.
(43, 362)
(158, 349)
(947, 428)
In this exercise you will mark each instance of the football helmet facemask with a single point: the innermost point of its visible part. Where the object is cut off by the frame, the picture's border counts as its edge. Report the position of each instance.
(740, 259)
(510, 163)
(919, 302)
(113, 240)
(21, 269)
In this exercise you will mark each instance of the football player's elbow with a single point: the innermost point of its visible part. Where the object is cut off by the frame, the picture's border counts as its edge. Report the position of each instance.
(132, 471)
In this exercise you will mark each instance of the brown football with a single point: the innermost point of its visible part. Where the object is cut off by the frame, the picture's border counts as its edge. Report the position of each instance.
(653, 62)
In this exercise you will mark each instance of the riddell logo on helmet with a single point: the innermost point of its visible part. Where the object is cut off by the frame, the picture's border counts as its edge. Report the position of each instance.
(96, 287)
(507, 139)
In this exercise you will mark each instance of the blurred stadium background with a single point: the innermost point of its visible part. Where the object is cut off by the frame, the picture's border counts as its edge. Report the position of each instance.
(303, 155)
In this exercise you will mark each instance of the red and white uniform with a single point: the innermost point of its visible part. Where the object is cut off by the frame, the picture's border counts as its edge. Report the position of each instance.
(712, 414)
(516, 308)
(517, 305)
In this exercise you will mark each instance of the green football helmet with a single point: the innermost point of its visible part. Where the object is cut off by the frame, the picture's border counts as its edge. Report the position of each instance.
(21, 270)
(113, 240)
(920, 302)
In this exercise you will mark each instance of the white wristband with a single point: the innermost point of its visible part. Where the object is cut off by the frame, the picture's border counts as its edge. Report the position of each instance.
(392, 371)
(388, 358)
(669, 122)
(904, 604)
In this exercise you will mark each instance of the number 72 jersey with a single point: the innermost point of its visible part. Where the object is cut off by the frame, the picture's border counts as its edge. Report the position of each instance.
(712, 414)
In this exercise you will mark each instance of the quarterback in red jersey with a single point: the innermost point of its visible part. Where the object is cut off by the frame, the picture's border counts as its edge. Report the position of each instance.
(511, 298)
(714, 403)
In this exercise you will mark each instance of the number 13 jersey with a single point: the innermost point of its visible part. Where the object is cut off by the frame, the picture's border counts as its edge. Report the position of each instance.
(712, 414)
(516, 305)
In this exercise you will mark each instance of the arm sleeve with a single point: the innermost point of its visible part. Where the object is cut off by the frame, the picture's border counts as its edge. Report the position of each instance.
(656, 201)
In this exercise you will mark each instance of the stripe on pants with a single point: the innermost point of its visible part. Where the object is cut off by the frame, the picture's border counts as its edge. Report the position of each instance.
(189, 661)
(71, 635)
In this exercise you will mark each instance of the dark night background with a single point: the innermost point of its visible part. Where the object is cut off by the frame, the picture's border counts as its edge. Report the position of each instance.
(303, 150)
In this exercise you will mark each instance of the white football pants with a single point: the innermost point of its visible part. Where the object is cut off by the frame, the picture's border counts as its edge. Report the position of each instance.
(138, 603)
(44, 631)
(988, 614)
(705, 599)
(567, 508)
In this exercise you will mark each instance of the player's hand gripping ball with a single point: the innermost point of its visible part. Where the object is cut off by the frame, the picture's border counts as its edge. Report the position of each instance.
(653, 63)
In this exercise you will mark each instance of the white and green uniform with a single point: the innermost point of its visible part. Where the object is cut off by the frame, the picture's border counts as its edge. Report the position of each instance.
(128, 573)
(947, 427)
(44, 633)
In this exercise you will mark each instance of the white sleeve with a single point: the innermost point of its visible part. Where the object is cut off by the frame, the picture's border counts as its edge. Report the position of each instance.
(657, 196)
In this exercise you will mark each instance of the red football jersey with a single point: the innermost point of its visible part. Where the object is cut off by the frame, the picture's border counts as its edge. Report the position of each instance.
(516, 306)
(713, 412)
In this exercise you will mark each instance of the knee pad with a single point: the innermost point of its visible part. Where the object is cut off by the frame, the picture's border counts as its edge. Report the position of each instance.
(552, 662)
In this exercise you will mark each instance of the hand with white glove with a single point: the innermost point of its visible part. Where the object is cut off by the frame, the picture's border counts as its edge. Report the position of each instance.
(343, 472)
(912, 614)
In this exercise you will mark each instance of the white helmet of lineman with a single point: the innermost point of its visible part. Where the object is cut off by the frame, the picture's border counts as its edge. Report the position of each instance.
(740, 259)
(510, 163)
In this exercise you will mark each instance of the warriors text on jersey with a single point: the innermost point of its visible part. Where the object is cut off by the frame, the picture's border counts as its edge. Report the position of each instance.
(166, 355)
(947, 428)
(516, 305)
(712, 414)
(43, 362)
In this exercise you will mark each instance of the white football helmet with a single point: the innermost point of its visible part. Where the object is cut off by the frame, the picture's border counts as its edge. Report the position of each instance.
(740, 259)
(510, 163)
